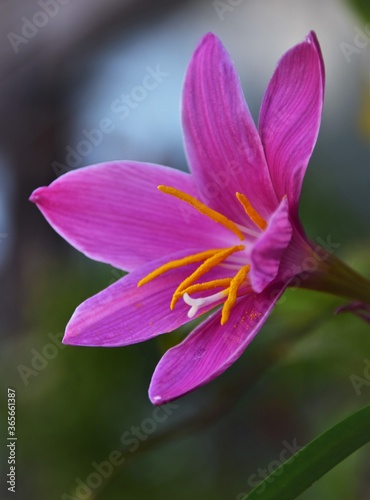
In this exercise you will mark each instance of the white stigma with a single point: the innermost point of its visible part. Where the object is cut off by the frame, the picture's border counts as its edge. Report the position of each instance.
(196, 304)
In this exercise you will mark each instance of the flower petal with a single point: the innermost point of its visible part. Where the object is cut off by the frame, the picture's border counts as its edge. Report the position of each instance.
(290, 117)
(224, 150)
(124, 313)
(268, 251)
(211, 348)
(114, 213)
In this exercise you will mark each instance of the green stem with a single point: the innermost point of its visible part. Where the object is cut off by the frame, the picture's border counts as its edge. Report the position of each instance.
(335, 277)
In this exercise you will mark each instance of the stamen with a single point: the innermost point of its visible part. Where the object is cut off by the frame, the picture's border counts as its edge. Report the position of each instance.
(203, 269)
(208, 285)
(233, 293)
(191, 259)
(251, 212)
(203, 209)
(196, 304)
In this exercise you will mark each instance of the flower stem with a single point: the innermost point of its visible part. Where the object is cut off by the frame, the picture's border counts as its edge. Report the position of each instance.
(335, 277)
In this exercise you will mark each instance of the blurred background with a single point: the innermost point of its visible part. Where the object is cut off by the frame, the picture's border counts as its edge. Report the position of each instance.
(64, 66)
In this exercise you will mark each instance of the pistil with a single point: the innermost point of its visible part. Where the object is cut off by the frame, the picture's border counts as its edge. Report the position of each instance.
(196, 304)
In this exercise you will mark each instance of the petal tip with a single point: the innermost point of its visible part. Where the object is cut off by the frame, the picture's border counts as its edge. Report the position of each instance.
(70, 338)
(313, 40)
(156, 400)
(66, 340)
(312, 37)
(208, 39)
(37, 195)
(157, 393)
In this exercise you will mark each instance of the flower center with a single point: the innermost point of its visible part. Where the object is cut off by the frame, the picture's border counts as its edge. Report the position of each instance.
(210, 259)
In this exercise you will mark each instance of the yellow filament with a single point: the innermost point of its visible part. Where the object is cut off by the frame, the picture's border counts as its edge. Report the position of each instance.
(203, 269)
(233, 293)
(208, 285)
(191, 259)
(251, 212)
(203, 209)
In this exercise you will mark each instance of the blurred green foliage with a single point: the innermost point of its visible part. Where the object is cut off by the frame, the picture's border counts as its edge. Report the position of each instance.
(292, 383)
(362, 7)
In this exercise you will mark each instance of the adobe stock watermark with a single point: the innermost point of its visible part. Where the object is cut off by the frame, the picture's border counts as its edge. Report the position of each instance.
(222, 8)
(31, 26)
(132, 440)
(358, 382)
(361, 41)
(121, 108)
(261, 474)
(40, 359)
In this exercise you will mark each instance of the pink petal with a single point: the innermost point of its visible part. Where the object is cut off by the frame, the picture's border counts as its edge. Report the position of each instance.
(290, 117)
(114, 213)
(222, 144)
(124, 313)
(268, 251)
(300, 257)
(211, 348)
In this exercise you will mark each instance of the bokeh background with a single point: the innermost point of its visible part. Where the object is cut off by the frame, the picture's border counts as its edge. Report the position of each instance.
(75, 406)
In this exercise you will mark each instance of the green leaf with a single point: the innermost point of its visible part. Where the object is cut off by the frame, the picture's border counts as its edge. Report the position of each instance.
(315, 459)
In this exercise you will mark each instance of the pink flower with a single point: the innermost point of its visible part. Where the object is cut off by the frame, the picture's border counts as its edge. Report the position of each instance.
(227, 234)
